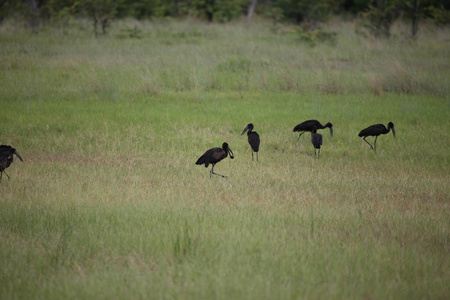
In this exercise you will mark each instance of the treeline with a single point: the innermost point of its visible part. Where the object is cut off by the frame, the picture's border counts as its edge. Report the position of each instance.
(377, 14)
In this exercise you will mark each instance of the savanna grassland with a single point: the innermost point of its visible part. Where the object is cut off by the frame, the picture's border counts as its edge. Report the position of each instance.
(109, 204)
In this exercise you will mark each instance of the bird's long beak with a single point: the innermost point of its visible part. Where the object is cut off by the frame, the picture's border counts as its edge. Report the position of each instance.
(331, 130)
(393, 131)
(231, 153)
(18, 155)
(246, 128)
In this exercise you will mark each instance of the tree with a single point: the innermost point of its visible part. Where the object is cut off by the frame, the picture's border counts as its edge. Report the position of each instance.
(415, 18)
(27, 9)
(34, 19)
(381, 15)
(217, 10)
(101, 12)
(251, 9)
(308, 12)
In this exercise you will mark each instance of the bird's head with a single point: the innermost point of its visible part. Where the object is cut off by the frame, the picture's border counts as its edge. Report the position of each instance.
(249, 128)
(391, 126)
(228, 150)
(329, 125)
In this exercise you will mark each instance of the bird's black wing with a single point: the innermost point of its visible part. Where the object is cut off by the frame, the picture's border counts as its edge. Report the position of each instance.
(316, 140)
(307, 125)
(209, 156)
(376, 129)
(253, 140)
(6, 158)
(218, 154)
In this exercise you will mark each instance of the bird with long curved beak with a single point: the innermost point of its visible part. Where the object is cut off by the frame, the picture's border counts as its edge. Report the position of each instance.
(213, 156)
(309, 125)
(253, 139)
(6, 158)
(376, 130)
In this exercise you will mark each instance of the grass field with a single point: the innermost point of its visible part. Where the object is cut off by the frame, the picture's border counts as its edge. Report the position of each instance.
(109, 204)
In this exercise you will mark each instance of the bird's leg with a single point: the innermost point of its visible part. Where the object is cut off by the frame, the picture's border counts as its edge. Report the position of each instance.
(300, 135)
(7, 175)
(257, 156)
(212, 172)
(219, 175)
(318, 156)
(375, 144)
(364, 138)
(252, 155)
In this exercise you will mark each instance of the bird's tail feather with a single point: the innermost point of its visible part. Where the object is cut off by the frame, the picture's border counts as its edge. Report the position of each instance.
(201, 161)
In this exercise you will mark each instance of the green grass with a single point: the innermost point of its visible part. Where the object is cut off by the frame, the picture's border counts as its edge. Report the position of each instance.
(109, 203)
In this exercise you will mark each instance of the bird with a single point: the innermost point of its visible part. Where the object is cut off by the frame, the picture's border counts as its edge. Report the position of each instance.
(376, 130)
(213, 156)
(6, 158)
(253, 139)
(316, 140)
(309, 125)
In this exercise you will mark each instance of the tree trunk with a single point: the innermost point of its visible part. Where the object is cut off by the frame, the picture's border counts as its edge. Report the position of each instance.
(381, 19)
(415, 19)
(176, 10)
(95, 23)
(104, 25)
(2, 2)
(251, 9)
(34, 21)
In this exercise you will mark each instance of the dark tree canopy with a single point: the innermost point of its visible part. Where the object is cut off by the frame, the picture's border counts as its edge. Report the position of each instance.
(378, 13)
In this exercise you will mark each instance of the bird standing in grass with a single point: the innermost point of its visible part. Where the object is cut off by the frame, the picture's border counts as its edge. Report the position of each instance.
(316, 140)
(376, 130)
(253, 139)
(6, 158)
(213, 156)
(309, 125)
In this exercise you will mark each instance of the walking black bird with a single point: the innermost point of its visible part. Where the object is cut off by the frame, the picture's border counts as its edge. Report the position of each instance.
(376, 130)
(309, 125)
(6, 158)
(316, 140)
(253, 139)
(213, 156)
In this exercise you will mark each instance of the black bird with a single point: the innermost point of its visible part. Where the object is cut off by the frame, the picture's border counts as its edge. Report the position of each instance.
(376, 130)
(309, 125)
(213, 156)
(253, 139)
(316, 140)
(6, 158)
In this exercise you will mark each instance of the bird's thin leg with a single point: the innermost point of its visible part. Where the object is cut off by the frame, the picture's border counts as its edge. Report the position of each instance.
(300, 135)
(212, 172)
(364, 138)
(318, 156)
(375, 144)
(257, 156)
(252, 155)
(7, 175)
(219, 175)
